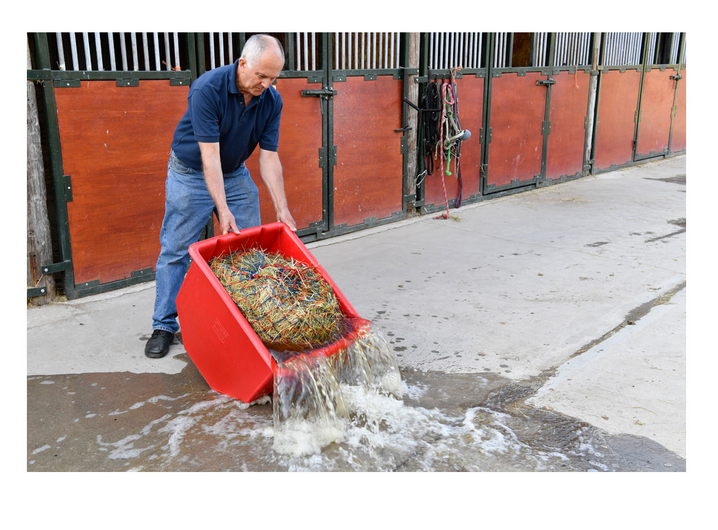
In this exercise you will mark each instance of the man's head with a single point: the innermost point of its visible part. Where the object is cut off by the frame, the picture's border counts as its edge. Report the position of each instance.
(261, 62)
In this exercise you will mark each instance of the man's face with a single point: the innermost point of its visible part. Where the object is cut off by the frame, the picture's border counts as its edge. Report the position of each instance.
(256, 79)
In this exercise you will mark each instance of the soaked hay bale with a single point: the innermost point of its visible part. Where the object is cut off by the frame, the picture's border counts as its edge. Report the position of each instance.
(288, 304)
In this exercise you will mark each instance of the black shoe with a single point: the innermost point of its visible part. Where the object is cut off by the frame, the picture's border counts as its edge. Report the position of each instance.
(159, 344)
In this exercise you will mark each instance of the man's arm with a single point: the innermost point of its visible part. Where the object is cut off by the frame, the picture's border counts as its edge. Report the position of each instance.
(271, 170)
(215, 184)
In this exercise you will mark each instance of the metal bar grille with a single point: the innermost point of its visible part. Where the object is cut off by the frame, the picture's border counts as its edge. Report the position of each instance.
(453, 50)
(500, 50)
(61, 52)
(539, 49)
(93, 51)
(306, 53)
(572, 49)
(623, 49)
(674, 48)
(656, 47)
(652, 41)
(221, 49)
(366, 51)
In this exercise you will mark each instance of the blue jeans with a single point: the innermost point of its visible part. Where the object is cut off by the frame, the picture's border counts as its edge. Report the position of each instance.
(188, 207)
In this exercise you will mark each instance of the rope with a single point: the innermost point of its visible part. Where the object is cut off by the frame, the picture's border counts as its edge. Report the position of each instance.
(440, 145)
(432, 100)
(449, 140)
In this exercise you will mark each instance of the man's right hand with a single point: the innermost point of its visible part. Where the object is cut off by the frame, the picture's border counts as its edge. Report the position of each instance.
(227, 223)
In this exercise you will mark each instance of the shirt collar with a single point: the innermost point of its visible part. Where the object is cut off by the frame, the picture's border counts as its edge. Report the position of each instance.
(232, 84)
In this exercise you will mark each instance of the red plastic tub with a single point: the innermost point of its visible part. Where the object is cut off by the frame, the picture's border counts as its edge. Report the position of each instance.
(217, 337)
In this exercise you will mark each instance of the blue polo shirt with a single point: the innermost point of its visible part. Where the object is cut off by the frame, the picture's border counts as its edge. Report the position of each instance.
(216, 113)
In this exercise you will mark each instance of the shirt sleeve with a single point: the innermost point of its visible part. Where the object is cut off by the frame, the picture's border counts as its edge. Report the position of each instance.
(270, 137)
(204, 115)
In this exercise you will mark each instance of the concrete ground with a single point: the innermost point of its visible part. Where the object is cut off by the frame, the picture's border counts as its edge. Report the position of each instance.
(579, 288)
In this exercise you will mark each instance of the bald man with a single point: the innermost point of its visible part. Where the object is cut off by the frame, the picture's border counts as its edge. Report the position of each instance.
(230, 110)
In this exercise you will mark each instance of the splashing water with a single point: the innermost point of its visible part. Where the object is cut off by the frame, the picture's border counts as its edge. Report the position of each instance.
(310, 410)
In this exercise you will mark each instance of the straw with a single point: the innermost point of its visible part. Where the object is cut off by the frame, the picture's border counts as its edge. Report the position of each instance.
(288, 303)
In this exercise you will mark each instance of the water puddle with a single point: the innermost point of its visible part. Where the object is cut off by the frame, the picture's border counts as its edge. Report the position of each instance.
(372, 420)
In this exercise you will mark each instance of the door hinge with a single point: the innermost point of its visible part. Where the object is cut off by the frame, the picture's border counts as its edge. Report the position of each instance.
(128, 82)
(56, 267)
(34, 292)
(67, 83)
(67, 188)
(323, 156)
(482, 136)
(317, 227)
(546, 128)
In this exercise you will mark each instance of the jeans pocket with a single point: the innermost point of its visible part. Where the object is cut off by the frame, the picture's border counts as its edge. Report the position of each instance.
(178, 166)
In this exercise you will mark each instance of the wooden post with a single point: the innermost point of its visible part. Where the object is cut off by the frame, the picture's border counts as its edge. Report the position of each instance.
(39, 240)
(593, 94)
(413, 118)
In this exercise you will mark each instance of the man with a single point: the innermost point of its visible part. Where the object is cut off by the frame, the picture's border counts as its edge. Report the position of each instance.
(230, 110)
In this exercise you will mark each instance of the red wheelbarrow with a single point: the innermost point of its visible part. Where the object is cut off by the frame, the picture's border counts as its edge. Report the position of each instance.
(219, 340)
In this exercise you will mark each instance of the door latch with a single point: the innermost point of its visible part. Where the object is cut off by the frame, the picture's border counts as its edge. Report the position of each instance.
(546, 82)
(324, 93)
(676, 77)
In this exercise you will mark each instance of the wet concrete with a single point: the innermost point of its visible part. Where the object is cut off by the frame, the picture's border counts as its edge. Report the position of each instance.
(175, 422)
(541, 331)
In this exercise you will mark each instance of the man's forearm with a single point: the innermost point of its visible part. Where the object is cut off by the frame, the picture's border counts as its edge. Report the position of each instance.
(214, 178)
(212, 169)
(270, 169)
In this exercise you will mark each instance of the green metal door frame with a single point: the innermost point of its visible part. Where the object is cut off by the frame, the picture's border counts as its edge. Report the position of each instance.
(681, 68)
(586, 161)
(329, 78)
(425, 76)
(645, 68)
(493, 72)
(601, 70)
(49, 80)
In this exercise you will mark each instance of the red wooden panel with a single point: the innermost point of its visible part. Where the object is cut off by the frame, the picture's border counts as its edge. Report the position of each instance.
(656, 104)
(300, 137)
(115, 146)
(566, 143)
(678, 140)
(368, 174)
(616, 118)
(518, 106)
(470, 91)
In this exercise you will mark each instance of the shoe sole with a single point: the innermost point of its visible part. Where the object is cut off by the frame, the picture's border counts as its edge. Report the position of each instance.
(157, 355)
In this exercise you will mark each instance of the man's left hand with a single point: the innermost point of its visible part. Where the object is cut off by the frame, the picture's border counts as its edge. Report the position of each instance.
(286, 218)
